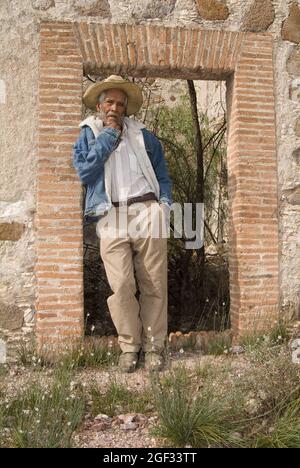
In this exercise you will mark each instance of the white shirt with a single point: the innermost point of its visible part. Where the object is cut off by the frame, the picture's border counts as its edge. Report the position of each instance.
(127, 178)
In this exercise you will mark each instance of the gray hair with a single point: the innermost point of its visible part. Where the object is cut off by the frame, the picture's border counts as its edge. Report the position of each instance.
(102, 96)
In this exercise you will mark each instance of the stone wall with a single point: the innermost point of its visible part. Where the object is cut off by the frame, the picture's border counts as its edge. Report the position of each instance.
(20, 25)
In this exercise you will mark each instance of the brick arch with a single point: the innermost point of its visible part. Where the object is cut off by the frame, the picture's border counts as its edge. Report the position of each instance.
(244, 60)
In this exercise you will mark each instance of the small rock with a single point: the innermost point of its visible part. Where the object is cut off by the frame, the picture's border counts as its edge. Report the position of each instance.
(259, 17)
(237, 350)
(153, 419)
(151, 9)
(252, 406)
(102, 416)
(42, 4)
(11, 316)
(199, 342)
(212, 10)
(172, 340)
(296, 155)
(294, 91)
(296, 356)
(127, 418)
(293, 62)
(291, 26)
(295, 344)
(100, 426)
(93, 8)
(130, 426)
(297, 126)
(292, 195)
(116, 422)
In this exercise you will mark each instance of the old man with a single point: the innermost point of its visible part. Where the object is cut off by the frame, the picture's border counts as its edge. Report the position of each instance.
(123, 167)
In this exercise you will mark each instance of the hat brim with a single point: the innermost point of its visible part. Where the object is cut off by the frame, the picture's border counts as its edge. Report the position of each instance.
(133, 92)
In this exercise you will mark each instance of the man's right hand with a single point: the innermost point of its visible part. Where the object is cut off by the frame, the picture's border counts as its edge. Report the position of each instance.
(113, 121)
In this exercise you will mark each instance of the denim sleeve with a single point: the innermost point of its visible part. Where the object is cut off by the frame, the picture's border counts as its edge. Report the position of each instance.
(90, 154)
(159, 165)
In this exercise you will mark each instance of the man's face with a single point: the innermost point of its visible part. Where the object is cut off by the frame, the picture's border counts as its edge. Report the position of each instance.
(113, 105)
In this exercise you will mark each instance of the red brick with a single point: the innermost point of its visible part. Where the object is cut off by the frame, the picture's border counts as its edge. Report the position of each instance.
(251, 153)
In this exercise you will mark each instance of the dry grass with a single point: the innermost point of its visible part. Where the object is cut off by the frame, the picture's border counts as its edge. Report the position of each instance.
(222, 400)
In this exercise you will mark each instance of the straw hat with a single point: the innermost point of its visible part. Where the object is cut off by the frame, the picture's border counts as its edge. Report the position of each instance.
(133, 92)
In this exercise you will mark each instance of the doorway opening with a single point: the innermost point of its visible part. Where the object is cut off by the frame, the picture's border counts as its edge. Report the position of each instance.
(198, 279)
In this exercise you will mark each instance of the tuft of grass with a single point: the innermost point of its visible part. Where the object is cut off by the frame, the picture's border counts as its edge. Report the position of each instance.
(118, 399)
(278, 335)
(93, 354)
(43, 417)
(3, 370)
(182, 378)
(196, 419)
(90, 354)
(204, 371)
(219, 345)
(284, 432)
(28, 357)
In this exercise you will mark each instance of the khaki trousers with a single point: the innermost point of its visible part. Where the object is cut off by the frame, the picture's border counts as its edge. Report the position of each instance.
(131, 260)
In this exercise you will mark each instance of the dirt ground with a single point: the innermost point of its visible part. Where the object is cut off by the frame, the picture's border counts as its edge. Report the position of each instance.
(123, 430)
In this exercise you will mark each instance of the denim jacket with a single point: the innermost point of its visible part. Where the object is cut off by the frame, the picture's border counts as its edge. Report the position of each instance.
(91, 160)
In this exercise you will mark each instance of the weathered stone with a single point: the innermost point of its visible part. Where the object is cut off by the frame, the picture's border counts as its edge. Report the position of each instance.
(2, 92)
(295, 347)
(100, 426)
(131, 421)
(93, 8)
(11, 317)
(293, 196)
(297, 127)
(296, 155)
(259, 17)
(291, 26)
(212, 10)
(151, 9)
(2, 352)
(200, 342)
(293, 63)
(29, 315)
(102, 417)
(11, 231)
(294, 92)
(237, 349)
(42, 4)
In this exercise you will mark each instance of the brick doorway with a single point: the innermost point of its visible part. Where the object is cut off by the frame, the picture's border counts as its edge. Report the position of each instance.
(244, 61)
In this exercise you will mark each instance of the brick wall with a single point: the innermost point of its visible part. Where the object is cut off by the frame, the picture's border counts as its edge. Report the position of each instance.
(244, 60)
(59, 269)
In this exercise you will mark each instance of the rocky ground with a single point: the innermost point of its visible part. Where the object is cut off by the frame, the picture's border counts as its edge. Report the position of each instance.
(124, 429)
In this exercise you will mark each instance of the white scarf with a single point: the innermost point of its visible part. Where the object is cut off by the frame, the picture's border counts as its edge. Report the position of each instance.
(137, 141)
